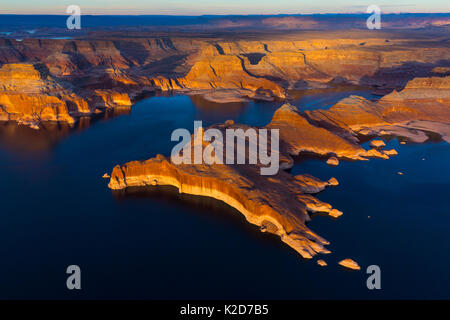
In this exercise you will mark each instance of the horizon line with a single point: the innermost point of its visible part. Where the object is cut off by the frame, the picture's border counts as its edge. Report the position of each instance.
(212, 14)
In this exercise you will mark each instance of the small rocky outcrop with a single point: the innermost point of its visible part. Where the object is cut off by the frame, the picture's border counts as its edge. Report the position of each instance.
(377, 143)
(333, 182)
(333, 161)
(350, 264)
(335, 213)
(322, 263)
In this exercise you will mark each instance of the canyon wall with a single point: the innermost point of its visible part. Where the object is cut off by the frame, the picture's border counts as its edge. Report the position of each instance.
(61, 80)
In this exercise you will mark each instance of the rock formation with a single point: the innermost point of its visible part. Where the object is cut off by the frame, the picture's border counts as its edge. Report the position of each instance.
(377, 143)
(333, 161)
(29, 96)
(299, 135)
(350, 264)
(335, 213)
(321, 263)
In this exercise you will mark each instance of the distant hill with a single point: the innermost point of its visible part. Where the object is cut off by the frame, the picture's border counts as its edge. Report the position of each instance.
(29, 23)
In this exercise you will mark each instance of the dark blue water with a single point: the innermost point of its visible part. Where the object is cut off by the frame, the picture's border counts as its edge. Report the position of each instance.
(57, 211)
(26, 22)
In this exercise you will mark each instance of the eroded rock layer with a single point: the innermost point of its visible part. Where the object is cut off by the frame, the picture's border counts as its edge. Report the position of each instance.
(60, 80)
(29, 95)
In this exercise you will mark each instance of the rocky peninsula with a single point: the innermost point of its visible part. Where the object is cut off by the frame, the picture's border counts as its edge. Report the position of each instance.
(281, 204)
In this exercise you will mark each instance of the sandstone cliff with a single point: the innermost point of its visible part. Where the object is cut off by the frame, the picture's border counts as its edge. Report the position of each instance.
(29, 95)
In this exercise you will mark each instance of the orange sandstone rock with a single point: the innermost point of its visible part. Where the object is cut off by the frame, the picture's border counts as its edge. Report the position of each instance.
(350, 264)
(335, 213)
(333, 161)
(301, 136)
(391, 152)
(333, 182)
(322, 263)
(377, 143)
(29, 95)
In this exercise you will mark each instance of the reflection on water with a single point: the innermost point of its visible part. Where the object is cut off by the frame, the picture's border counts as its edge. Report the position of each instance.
(19, 138)
(326, 98)
(215, 110)
(23, 138)
(201, 205)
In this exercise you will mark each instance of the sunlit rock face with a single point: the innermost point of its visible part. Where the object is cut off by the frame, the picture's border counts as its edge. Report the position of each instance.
(214, 70)
(290, 63)
(299, 136)
(30, 95)
(111, 99)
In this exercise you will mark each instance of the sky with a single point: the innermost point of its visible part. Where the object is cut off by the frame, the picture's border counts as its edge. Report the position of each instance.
(200, 7)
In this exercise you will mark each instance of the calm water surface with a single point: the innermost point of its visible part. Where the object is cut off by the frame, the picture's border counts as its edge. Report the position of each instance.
(57, 211)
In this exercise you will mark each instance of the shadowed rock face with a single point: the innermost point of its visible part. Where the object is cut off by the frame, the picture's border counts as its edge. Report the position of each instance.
(104, 70)
(280, 204)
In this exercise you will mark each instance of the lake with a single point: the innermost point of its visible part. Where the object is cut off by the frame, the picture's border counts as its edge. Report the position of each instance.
(154, 243)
